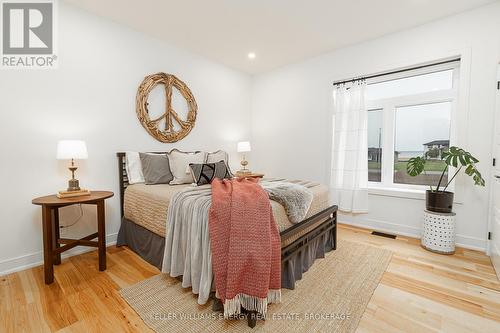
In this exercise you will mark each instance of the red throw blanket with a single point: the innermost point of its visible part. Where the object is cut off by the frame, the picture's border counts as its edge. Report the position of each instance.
(246, 246)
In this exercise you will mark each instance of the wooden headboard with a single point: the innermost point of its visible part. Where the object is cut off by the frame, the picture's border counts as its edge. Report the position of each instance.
(122, 175)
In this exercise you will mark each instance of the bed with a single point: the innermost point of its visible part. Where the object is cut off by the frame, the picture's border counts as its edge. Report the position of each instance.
(144, 213)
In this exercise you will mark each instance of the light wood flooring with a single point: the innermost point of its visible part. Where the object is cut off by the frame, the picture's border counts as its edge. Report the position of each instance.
(419, 292)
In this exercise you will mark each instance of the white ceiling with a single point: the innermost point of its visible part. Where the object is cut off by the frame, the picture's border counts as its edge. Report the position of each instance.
(278, 31)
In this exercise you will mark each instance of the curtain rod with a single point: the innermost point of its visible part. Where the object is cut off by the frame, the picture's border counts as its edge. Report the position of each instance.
(336, 83)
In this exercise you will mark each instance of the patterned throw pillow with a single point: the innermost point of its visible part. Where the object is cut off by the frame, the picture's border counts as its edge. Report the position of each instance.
(206, 172)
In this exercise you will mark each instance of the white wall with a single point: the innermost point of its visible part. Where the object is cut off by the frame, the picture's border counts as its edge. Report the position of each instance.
(291, 114)
(91, 96)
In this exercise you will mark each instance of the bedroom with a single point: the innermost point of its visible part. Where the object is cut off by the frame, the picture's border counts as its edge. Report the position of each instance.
(269, 74)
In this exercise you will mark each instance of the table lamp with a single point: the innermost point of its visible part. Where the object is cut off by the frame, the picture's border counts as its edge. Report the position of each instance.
(72, 150)
(244, 147)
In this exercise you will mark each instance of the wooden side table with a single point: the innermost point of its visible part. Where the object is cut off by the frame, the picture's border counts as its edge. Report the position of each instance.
(54, 245)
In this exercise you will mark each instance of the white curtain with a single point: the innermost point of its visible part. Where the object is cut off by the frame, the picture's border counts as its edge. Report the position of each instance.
(349, 168)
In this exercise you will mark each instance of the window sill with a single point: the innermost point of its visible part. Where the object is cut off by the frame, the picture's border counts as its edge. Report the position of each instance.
(397, 192)
(405, 193)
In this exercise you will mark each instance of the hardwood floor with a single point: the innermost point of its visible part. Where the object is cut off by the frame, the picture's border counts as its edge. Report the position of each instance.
(419, 292)
(426, 292)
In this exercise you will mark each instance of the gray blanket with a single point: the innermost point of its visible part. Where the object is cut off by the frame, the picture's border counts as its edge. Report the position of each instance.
(187, 245)
(295, 198)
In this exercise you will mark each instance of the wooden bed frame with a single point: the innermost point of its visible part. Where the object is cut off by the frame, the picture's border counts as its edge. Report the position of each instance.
(328, 216)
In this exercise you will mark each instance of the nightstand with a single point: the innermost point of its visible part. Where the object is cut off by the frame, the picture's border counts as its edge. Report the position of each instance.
(54, 245)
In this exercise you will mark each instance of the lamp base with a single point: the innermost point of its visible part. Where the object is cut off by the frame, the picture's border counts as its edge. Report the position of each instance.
(243, 172)
(73, 185)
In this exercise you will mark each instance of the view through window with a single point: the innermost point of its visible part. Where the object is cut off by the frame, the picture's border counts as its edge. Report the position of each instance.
(375, 119)
(408, 116)
(421, 130)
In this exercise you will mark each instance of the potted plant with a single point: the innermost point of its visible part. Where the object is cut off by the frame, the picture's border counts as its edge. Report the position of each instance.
(438, 199)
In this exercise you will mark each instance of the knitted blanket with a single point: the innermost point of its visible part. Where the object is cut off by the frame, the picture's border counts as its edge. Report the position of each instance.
(245, 244)
(295, 198)
(187, 243)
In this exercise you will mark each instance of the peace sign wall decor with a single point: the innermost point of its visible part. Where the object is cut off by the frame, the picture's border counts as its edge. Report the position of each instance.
(167, 134)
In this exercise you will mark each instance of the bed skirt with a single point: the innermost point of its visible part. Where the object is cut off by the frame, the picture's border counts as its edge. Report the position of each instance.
(150, 247)
(300, 261)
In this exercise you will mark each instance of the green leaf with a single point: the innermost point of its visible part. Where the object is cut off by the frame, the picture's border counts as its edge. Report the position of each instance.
(455, 157)
(469, 170)
(415, 166)
(478, 179)
(462, 160)
(467, 159)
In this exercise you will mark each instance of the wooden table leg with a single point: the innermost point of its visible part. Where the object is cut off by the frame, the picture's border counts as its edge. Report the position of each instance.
(101, 238)
(48, 269)
(56, 236)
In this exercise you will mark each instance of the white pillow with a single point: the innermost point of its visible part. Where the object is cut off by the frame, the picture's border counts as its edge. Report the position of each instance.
(219, 155)
(133, 166)
(179, 165)
(216, 156)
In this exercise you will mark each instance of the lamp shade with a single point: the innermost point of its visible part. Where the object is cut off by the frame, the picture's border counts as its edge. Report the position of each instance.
(68, 149)
(244, 146)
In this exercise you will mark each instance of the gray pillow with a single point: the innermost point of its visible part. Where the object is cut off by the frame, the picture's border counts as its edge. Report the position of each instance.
(156, 168)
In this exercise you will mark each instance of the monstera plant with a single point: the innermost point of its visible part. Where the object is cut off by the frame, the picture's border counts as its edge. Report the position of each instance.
(437, 198)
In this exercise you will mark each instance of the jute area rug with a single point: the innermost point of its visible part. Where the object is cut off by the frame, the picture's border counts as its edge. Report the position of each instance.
(331, 297)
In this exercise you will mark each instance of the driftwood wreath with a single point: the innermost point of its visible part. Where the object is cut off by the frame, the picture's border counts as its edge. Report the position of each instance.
(169, 133)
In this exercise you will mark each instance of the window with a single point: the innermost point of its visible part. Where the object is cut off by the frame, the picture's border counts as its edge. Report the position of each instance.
(375, 145)
(421, 130)
(412, 85)
(410, 114)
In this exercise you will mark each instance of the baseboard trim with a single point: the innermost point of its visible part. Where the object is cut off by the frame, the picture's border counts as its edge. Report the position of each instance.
(466, 242)
(36, 259)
